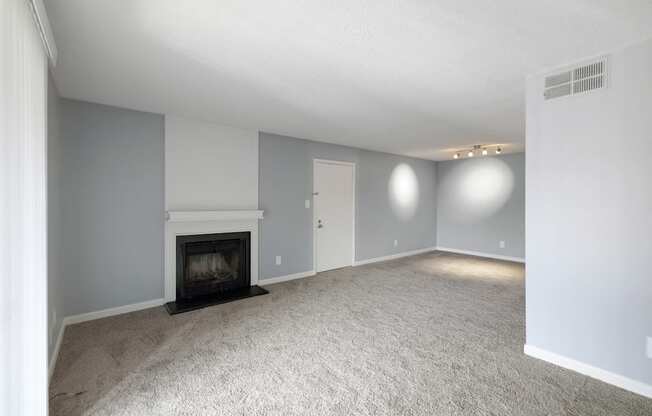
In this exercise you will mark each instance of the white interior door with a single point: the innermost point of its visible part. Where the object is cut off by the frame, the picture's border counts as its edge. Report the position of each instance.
(334, 208)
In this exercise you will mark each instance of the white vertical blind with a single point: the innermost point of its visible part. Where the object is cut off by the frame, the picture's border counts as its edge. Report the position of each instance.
(23, 276)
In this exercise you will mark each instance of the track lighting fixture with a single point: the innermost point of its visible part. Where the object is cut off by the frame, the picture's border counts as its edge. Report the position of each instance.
(478, 149)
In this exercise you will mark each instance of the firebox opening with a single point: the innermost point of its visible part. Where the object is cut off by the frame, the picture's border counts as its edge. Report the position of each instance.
(210, 264)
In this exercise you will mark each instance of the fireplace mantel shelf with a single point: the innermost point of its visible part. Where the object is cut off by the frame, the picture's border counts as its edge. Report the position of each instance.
(230, 215)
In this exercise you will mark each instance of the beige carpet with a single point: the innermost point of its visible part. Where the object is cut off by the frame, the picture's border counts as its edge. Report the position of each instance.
(436, 334)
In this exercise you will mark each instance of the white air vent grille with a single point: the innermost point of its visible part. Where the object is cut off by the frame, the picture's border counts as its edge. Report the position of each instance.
(578, 80)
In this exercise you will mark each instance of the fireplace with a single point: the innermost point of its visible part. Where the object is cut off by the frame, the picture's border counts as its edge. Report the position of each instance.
(211, 264)
(212, 269)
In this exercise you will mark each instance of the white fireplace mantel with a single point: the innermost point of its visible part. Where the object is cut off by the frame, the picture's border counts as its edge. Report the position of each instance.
(207, 222)
(189, 216)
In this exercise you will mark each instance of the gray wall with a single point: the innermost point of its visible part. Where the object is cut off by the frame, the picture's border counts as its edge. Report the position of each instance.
(481, 201)
(589, 222)
(55, 217)
(286, 168)
(113, 206)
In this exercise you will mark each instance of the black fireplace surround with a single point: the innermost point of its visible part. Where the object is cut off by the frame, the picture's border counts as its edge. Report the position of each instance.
(212, 263)
(212, 269)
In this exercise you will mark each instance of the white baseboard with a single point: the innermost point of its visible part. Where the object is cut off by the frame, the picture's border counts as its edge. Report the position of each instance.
(286, 278)
(394, 256)
(57, 347)
(301, 275)
(104, 313)
(481, 254)
(589, 370)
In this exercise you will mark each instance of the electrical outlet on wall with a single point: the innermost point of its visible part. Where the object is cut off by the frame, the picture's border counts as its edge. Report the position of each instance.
(395, 243)
(278, 260)
(307, 203)
(501, 244)
(649, 347)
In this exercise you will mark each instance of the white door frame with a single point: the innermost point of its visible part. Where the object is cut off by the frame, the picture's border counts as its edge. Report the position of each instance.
(315, 161)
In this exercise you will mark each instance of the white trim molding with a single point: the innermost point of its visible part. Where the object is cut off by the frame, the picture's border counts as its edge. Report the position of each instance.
(481, 254)
(55, 353)
(589, 370)
(105, 313)
(45, 30)
(394, 256)
(286, 278)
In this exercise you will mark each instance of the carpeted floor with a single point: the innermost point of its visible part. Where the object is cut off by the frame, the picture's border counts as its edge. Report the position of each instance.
(435, 334)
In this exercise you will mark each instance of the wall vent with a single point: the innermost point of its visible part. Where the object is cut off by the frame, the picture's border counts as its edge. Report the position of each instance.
(577, 80)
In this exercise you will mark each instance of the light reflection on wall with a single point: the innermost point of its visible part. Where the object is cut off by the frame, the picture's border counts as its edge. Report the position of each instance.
(476, 189)
(404, 191)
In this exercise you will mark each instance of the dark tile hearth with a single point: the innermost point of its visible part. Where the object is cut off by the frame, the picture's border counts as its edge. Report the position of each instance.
(209, 300)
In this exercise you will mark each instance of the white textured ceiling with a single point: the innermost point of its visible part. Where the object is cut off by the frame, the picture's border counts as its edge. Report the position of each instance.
(403, 76)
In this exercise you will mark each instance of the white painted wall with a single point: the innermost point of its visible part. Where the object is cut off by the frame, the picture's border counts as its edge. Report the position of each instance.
(209, 167)
(589, 221)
